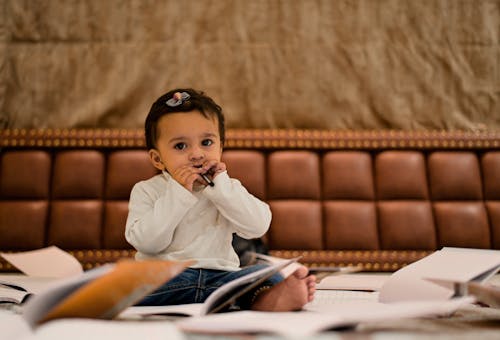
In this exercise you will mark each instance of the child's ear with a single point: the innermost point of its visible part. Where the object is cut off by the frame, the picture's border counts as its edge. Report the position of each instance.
(155, 158)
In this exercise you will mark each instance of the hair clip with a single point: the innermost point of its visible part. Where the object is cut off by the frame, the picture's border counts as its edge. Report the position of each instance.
(177, 99)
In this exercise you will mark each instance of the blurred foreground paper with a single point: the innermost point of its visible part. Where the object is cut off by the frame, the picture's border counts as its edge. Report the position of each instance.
(45, 262)
(85, 329)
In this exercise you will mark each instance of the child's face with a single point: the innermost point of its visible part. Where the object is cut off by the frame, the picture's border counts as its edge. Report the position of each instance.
(186, 138)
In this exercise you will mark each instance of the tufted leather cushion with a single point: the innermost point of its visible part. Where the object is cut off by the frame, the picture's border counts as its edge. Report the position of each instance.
(334, 202)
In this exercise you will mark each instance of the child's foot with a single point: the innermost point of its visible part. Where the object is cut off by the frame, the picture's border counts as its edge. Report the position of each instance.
(289, 295)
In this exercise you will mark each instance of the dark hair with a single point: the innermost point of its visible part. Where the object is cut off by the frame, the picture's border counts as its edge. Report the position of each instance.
(197, 101)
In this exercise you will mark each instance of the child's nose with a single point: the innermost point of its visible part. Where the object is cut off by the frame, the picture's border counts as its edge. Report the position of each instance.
(196, 153)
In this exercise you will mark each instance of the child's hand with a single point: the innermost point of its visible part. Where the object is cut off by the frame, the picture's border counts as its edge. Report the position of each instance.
(187, 175)
(212, 168)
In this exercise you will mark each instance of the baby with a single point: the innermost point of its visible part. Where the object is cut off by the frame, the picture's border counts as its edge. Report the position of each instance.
(191, 210)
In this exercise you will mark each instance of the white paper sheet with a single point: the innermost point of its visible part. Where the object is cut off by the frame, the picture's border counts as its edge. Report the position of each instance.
(414, 282)
(46, 262)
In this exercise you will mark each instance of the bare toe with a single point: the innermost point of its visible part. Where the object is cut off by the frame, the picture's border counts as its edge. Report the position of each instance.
(290, 294)
(301, 272)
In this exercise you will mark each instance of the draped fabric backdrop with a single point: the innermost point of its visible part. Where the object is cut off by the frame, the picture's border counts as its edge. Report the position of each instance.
(339, 64)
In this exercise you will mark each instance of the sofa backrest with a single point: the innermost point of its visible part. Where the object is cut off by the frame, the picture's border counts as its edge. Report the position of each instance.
(379, 200)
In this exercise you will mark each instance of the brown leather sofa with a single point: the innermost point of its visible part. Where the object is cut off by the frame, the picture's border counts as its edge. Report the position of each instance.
(377, 199)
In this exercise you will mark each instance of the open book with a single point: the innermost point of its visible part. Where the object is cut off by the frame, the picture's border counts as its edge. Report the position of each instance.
(101, 293)
(18, 288)
(223, 297)
(12, 293)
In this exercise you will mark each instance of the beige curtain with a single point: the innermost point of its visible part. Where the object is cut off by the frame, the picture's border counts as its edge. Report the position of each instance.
(339, 64)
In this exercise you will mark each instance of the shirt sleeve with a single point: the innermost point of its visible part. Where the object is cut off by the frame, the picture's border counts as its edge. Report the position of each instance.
(154, 214)
(249, 216)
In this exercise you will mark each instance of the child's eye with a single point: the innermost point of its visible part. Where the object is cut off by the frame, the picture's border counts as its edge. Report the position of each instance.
(180, 146)
(207, 142)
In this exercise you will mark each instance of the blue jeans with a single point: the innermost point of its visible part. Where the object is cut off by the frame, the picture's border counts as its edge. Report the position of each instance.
(195, 285)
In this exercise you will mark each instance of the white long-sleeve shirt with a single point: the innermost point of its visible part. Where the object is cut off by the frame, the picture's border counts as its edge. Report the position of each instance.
(167, 221)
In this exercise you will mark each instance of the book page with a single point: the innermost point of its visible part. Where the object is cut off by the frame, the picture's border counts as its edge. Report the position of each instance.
(363, 282)
(319, 272)
(364, 311)
(32, 284)
(288, 324)
(191, 309)
(46, 262)
(306, 323)
(15, 288)
(272, 260)
(12, 295)
(334, 296)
